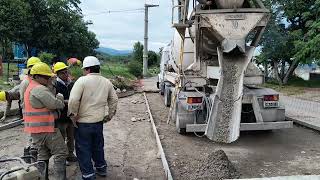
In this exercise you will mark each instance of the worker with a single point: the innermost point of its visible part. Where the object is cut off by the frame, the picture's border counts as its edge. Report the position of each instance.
(40, 107)
(9, 96)
(64, 85)
(92, 101)
(24, 84)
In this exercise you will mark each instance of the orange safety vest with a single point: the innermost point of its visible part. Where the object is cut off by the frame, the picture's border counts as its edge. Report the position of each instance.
(36, 120)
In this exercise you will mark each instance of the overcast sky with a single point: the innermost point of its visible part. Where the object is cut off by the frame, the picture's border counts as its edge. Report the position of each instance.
(122, 30)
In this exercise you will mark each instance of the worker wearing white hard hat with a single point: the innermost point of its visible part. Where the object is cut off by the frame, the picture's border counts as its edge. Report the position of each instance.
(92, 102)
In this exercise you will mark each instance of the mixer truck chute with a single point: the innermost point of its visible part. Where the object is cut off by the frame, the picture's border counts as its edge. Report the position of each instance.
(207, 75)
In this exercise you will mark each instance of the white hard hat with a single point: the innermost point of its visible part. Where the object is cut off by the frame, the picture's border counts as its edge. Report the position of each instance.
(90, 61)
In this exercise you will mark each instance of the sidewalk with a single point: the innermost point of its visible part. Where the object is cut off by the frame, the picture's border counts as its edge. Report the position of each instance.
(306, 113)
(149, 84)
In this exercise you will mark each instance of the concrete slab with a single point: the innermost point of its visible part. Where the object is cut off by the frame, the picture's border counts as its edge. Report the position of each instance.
(312, 177)
(149, 84)
(303, 112)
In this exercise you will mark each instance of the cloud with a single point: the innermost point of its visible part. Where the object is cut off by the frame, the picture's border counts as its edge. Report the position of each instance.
(120, 30)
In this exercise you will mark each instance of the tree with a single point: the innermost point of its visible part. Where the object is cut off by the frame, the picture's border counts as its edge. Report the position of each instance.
(280, 44)
(57, 27)
(14, 17)
(153, 59)
(46, 57)
(137, 53)
(309, 45)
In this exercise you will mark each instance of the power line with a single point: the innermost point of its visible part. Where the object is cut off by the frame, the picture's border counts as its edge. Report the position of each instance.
(138, 10)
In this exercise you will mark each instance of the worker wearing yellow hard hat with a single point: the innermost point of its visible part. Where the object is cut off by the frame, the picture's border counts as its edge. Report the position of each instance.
(25, 82)
(41, 105)
(59, 66)
(32, 61)
(63, 85)
(3, 96)
(41, 69)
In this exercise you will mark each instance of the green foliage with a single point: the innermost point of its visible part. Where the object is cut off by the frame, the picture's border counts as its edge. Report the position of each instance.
(15, 20)
(293, 42)
(46, 57)
(113, 59)
(137, 54)
(154, 71)
(309, 45)
(135, 68)
(55, 26)
(111, 70)
(153, 59)
(75, 72)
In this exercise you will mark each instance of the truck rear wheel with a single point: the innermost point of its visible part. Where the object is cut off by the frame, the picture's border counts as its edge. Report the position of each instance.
(167, 96)
(180, 130)
(162, 88)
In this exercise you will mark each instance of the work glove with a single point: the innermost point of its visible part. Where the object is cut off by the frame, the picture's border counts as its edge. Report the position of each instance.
(74, 120)
(106, 119)
(60, 96)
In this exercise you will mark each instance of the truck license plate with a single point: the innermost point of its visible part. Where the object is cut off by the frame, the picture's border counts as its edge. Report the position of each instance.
(271, 104)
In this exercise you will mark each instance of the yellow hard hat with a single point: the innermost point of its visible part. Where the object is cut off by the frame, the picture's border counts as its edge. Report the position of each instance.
(32, 61)
(59, 66)
(41, 69)
(2, 96)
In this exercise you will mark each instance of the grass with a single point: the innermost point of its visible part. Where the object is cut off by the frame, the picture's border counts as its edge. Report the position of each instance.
(13, 70)
(295, 86)
(153, 71)
(116, 69)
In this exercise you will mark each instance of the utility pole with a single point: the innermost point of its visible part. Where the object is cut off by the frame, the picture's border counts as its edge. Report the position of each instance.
(145, 50)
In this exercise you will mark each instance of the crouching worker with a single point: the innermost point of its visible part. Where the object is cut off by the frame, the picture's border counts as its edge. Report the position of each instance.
(10, 96)
(40, 107)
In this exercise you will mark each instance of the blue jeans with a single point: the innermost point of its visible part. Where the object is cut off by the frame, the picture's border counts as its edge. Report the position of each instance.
(89, 146)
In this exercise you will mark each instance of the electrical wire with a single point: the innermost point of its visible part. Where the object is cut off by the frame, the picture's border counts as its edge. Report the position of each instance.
(208, 105)
(128, 11)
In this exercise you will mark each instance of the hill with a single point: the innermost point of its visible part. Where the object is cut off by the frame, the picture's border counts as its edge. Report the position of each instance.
(113, 52)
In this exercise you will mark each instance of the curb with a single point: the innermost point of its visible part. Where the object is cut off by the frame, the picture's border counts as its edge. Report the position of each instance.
(303, 123)
(160, 148)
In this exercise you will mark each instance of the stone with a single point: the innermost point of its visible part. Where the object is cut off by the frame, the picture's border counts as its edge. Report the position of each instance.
(158, 155)
(134, 119)
(161, 137)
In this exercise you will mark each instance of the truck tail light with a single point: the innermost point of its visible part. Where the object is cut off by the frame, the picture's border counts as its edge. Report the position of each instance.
(271, 97)
(194, 100)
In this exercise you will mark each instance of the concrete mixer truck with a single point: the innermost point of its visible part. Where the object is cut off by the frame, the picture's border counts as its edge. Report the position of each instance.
(207, 75)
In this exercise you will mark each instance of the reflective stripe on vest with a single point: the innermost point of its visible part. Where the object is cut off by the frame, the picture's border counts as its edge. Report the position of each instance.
(39, 124)
(36, 120)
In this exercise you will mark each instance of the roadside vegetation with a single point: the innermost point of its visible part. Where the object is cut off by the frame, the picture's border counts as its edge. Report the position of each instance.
(295, 86)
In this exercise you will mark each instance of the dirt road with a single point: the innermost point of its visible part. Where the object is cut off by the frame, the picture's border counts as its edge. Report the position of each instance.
(130, 147)
(256, 154)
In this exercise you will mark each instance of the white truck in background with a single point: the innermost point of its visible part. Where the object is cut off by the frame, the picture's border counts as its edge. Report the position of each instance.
(205, 93)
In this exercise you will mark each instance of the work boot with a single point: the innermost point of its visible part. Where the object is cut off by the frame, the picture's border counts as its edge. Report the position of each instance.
(101, 171)
(34, 154)
(60, 170)
(43, 169)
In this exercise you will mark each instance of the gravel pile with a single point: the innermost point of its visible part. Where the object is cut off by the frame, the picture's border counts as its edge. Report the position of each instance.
(216, 166)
